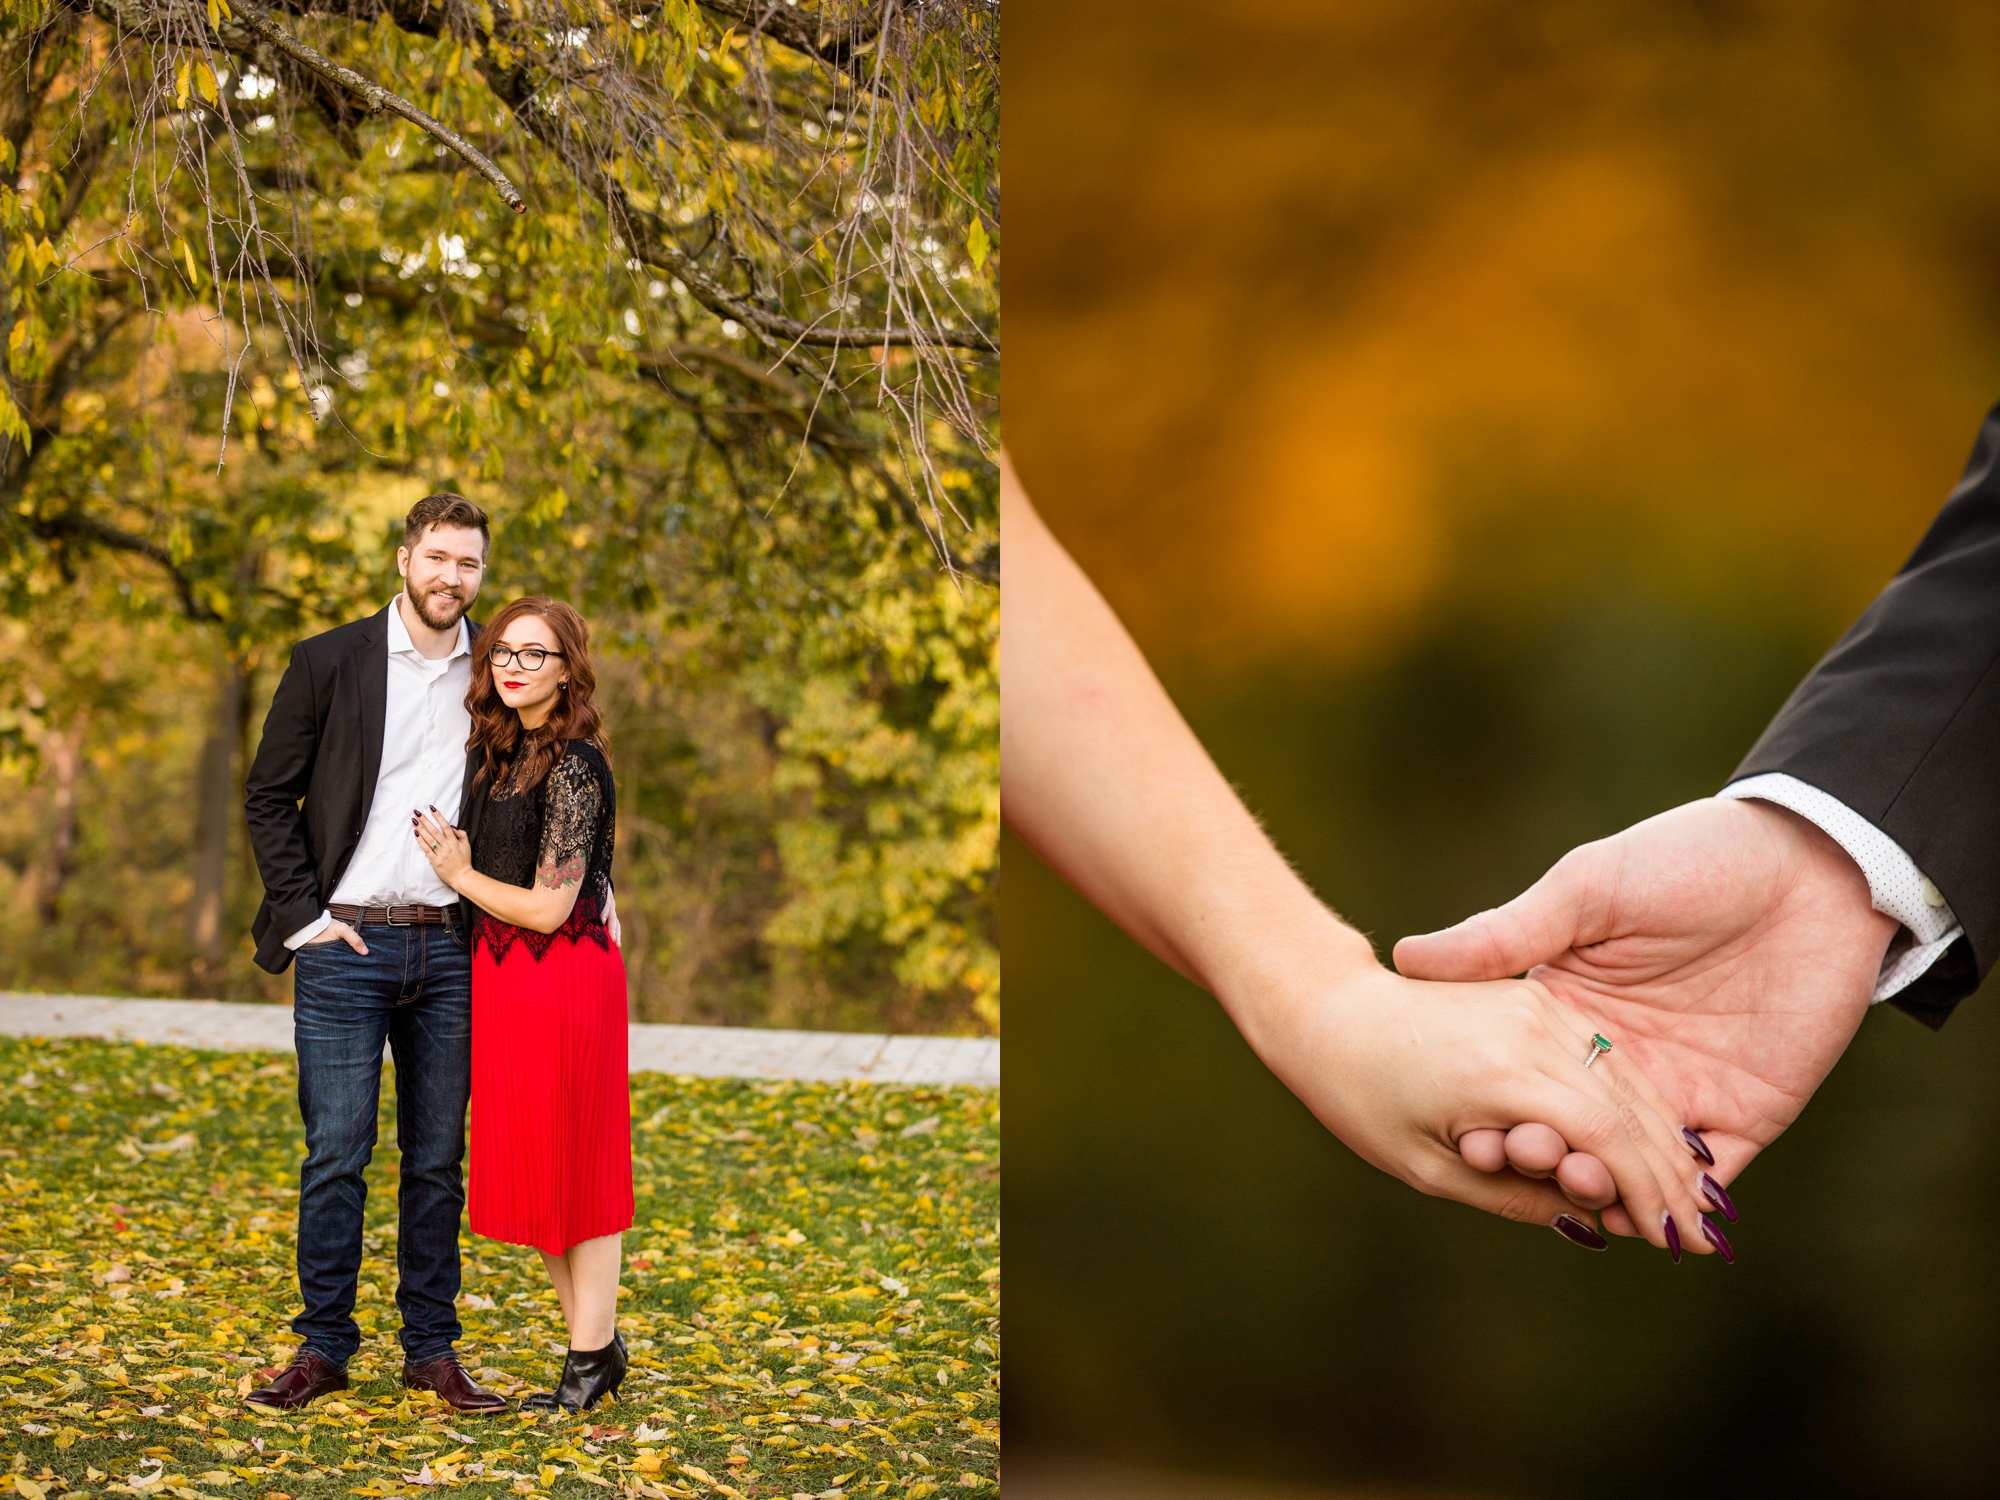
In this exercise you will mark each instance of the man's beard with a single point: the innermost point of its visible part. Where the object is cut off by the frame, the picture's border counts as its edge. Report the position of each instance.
(457, 605)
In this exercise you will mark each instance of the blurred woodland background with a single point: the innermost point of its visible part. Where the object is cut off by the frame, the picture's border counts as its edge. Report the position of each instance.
(728, 383)
(1483, 414)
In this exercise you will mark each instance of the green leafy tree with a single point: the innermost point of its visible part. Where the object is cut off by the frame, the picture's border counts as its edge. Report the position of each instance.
(698, 299)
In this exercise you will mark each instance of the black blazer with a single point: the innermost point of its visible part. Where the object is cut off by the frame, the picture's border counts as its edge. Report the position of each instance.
(309, 790)
(1901, 721)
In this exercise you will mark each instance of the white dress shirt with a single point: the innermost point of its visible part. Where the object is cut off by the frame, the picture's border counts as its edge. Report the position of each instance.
(1896, 887)
(424, 730)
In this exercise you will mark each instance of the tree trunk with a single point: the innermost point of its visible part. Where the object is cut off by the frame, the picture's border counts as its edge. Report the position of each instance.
(62, 756)
(216, 810)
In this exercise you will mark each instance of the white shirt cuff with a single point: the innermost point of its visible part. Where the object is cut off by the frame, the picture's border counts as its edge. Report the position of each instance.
(306, 934)
(1896, 887)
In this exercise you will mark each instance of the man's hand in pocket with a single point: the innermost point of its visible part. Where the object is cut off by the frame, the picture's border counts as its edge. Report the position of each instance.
(335, 928)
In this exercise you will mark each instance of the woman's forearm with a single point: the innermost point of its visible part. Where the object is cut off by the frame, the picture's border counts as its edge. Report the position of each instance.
(538, 908)
(1102, 777)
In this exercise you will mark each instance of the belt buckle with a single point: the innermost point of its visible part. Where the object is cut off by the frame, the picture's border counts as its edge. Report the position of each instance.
(389, 916)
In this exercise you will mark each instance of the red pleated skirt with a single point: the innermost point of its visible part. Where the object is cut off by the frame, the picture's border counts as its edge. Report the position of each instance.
(551, 1161)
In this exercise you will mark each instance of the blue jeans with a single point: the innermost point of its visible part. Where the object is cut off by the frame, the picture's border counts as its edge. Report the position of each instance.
(413, 989)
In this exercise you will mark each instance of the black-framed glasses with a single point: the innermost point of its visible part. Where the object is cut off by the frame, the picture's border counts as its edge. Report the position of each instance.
(529, 657)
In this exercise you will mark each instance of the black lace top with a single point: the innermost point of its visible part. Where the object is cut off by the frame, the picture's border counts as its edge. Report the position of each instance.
(565, 826)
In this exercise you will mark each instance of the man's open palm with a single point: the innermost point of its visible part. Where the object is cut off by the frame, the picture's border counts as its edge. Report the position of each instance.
(1728, 949)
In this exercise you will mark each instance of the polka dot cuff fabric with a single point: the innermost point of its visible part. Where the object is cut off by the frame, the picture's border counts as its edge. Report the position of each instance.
(1896, 887)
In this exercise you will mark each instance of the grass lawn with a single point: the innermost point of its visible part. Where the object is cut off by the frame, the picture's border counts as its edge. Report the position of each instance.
(811, 1297)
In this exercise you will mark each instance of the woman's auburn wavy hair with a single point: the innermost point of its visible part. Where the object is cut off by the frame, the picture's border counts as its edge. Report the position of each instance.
(496, 728)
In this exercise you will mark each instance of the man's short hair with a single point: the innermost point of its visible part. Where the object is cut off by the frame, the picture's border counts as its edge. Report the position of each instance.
(446, 509)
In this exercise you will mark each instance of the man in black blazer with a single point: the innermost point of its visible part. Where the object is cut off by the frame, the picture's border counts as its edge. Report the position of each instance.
(368, 726)
(1731, 947)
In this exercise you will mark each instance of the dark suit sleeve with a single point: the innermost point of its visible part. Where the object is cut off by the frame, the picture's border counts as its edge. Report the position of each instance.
(1901, 722)
(471, 811)
(278, 779)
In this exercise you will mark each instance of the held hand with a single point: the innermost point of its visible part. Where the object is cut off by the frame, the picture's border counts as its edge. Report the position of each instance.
(1402, 1071)
(446, 847)
(338, 931)
(1728, 948)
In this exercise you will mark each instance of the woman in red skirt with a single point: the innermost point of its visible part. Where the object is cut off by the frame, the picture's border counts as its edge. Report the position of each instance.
(551, 1158)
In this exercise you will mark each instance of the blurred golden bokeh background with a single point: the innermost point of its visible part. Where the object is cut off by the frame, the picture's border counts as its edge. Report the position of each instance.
(1482, 414)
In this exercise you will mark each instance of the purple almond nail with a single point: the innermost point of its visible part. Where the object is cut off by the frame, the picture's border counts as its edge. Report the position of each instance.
(1697, 1145)
(1715, 1238)
(1573, 1229)
(1718, 1198)
(1673, 1236)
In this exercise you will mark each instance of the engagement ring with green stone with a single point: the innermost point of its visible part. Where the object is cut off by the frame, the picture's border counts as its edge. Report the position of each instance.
(1598, 1047)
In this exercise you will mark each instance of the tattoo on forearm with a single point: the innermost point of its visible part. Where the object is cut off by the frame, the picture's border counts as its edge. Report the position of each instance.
(556, 876)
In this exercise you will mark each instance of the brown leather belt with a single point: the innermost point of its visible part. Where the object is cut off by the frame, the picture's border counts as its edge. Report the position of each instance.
(390, 916)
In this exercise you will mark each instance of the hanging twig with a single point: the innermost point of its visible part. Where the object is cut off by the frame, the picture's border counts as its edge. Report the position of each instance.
(374, 95)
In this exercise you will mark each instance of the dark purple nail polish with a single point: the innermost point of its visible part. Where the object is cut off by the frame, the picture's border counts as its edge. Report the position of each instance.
(1721, 1245)
(1697, 1145)
(1573, 1229)
(1718, 1198)
(1673, 1236)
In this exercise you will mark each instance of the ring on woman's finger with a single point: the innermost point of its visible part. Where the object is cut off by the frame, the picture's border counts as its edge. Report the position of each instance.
(1598, 1047)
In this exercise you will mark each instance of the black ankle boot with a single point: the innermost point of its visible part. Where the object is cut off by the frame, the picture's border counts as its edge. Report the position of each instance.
(589, 1375)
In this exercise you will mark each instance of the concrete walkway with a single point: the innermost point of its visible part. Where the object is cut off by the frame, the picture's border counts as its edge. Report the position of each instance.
(704, 1051)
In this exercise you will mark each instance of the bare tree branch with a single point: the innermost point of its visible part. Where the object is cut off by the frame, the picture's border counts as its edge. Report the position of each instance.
(376, 97)
(498, 332)
(650, 242)
(806, 33)
(71, 526)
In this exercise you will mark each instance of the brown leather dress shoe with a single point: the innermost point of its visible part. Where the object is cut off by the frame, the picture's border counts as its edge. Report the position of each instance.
(305, 1379)
(447, 1377)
